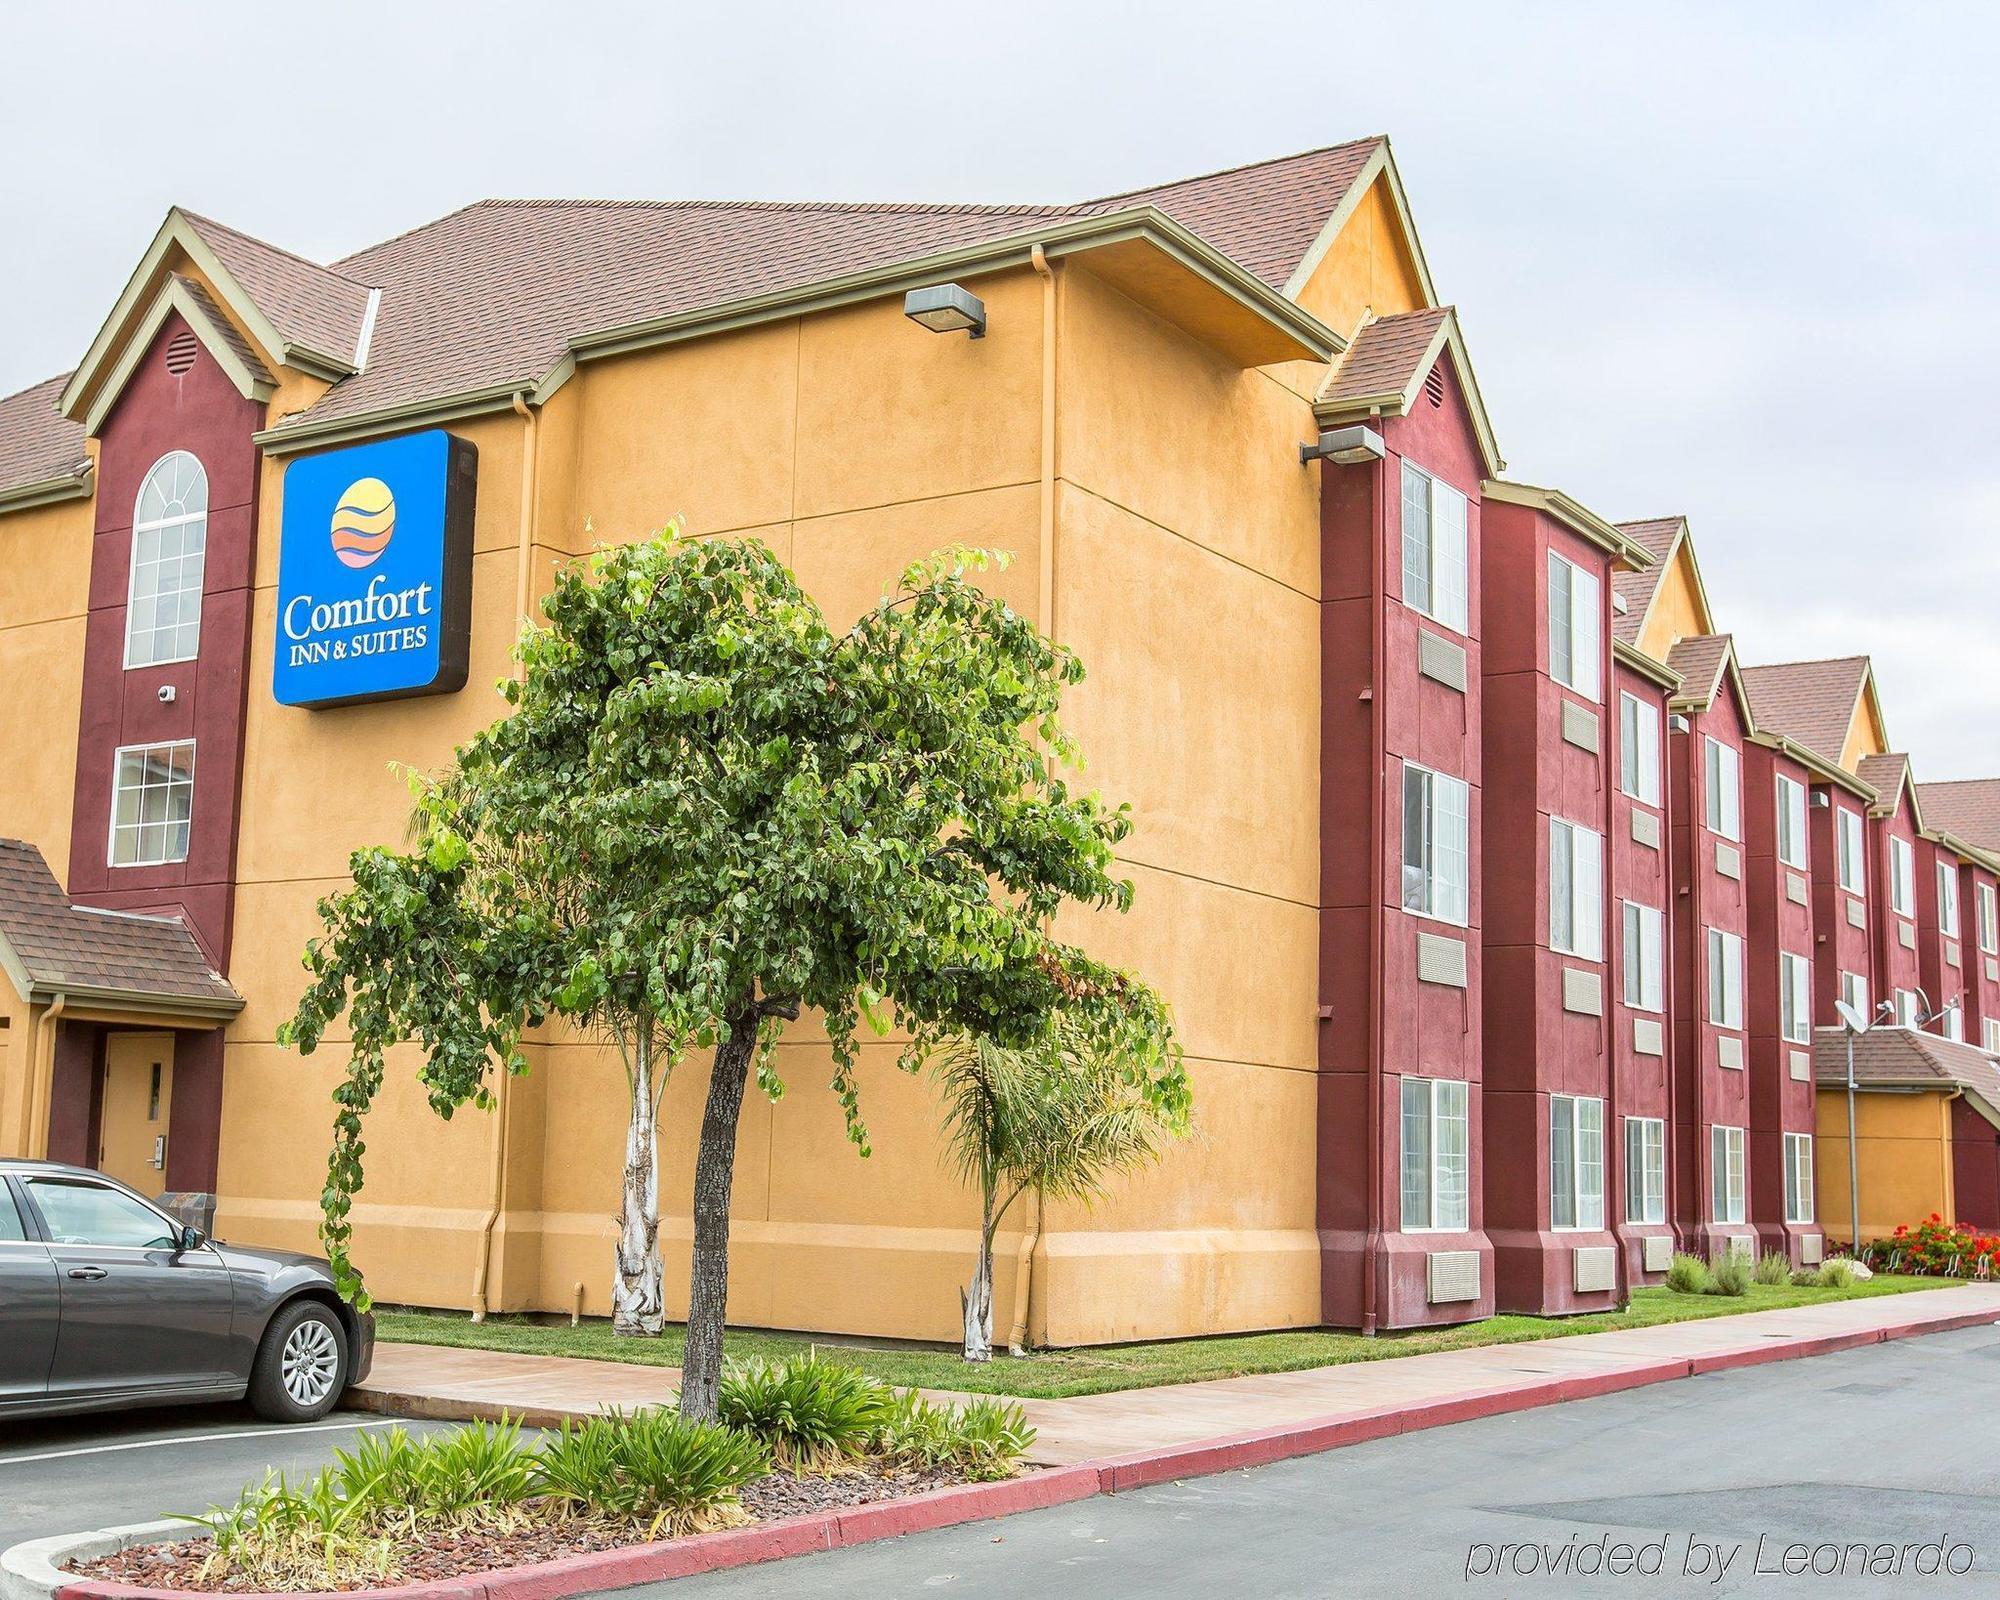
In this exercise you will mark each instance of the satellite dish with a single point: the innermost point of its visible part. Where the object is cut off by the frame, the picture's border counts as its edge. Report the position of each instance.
(1850, 1019)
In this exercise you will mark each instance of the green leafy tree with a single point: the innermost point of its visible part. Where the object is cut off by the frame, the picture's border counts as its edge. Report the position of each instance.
(707, 810)
(1056, 1118)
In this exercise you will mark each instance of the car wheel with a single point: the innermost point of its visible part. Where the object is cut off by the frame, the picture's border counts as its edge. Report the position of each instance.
(301, 1365)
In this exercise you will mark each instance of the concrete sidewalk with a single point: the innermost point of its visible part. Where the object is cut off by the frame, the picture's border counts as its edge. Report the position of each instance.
(1359, 1399)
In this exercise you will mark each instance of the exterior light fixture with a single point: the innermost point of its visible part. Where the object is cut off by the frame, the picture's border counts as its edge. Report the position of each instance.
(1821, 799)
(946, 308)
(1344, 447)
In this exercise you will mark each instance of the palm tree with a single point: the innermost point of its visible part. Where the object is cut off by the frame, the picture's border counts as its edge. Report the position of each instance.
(1057, 1119)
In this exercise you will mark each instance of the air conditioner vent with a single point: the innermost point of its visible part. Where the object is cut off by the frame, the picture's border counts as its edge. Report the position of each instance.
(181, 350)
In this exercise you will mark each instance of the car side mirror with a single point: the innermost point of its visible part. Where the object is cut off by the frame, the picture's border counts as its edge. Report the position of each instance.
(192, 1238)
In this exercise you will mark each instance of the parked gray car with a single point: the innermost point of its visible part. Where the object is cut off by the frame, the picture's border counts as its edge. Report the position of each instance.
(107, 1301)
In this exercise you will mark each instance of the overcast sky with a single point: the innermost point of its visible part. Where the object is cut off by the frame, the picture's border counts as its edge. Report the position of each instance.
(1736, 261)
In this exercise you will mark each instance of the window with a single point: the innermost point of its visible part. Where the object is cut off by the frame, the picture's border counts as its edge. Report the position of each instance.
(1989, 919)
(1436, 869)
(1854, 990)
(1639, 748)
(1645, 1169)
(1433, 548)
(1798, 1177)
(1643, 961)
(1989, 1034)
(1725, 1173)
(1576, 890)
(1725, 979)
(1902, 878)
(1795, 998)
(152, 798)
(1954, 1023)
(1576, 1162)
(1948, 899)
(80, 1212)
(1725, 790)
(1435, 1141)
(1791, 822)
(1850, 851)
(169, 545)
(1576, 639)
(1906, 1008)
(12, 1230)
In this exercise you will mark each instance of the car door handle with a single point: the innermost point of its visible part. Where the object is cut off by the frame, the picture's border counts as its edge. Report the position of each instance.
(88, 1272)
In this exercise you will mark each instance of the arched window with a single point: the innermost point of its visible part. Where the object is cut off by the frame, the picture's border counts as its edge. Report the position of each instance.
(169, 542)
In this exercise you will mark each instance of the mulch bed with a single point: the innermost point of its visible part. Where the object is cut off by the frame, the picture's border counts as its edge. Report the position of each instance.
(769, 1499)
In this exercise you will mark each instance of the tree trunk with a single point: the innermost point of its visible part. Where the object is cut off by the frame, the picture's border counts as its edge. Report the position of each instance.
(714, 1170)
(636, 1292)
(976, 1302)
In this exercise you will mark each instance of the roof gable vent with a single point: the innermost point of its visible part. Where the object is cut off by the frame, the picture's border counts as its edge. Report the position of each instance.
(1434, 383)
(181, 350)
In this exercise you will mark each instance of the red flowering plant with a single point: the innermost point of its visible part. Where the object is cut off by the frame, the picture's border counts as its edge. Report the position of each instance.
(1936, 1248)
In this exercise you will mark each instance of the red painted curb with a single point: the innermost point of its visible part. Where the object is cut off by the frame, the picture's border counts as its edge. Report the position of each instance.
(976, 1502)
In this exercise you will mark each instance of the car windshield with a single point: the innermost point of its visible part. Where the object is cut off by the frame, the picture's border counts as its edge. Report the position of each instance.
(80, 1212)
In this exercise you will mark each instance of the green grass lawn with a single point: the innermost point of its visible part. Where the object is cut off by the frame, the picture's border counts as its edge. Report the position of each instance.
(1056, 1374)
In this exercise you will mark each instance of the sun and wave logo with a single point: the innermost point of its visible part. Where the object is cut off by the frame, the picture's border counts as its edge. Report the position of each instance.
(363, 522)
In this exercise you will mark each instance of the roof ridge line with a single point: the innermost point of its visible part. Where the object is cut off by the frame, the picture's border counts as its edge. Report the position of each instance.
(1241, 166)
(928, 207)
(411, 231)
(60, 377)
(1812, 661)
(275, 249)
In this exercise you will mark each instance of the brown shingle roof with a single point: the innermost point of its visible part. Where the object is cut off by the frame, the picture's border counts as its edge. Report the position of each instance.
(1637, 589)
(1655, 533)
(1384, 357)
(36, 443)
(1699, 660)
(310, 305)
(1907, 1058)
(226, 329)
(56, 947)
(1884, 774)
(1968, 808)
(1810, 701)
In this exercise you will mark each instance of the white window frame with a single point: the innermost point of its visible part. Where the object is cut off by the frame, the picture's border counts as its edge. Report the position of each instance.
(1854, 990)
(1576, 889)
(1989, 918)
(1791, 822)
(1644, 964)
(1726, 1175)
(139, 824)
(1438, 894)
(1794, 998)
(1645, 1169)
(1850, 849)
(1954, 1023)
(1576, 1163)
(1442, 1103)
(185, 524)
(1947, 889)
(1989, 1034)
(1798, 1177)
(1722, 781)
(1906, 1008)
(1435, 550)
(1638, 748)
(1576, 627)
(1725, 979)
(1902, 877)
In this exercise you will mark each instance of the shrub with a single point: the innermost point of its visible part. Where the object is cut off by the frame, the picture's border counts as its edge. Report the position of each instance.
(1806, 1277)
(1730, 1273)
(476, 1475)
(812, 1414)
(983, 1438)
(1937, 1247)
(1688, 1274)
(1772, 1269)
(1836, 1275)
(278, 1537)
(655, 1466)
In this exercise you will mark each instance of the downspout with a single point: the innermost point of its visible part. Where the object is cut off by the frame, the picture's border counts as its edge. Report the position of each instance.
(1031, 1237)
(496, 1172)
(1378, 761)
(1613, 1133)
(42, 1080)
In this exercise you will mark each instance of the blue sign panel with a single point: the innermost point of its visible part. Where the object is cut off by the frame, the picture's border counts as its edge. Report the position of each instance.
(375, 572)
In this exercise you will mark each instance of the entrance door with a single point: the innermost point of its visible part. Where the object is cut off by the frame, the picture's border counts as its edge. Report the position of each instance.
(138, 1095)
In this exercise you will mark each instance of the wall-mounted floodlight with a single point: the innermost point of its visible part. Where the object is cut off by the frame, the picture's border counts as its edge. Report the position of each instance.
(946, 308)
(1344, 447)
(1821, 799)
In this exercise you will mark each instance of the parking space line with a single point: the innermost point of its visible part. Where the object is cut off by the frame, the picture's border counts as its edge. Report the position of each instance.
(193, 1438)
